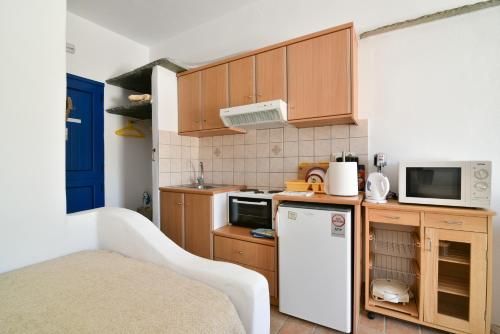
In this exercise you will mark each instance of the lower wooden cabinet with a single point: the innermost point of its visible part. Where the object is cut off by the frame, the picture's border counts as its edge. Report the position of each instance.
(172, 216)
(235, 244)
(187, 220)
(444, 255)
(455, 295)
(198, 224)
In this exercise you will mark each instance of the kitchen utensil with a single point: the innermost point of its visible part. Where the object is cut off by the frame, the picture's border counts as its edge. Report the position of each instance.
(342, 179)
(377, 188)
(389, 290)
(315, 175)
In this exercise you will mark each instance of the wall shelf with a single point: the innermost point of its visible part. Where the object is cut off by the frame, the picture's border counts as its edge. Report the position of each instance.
(139, 110)
(139, 80)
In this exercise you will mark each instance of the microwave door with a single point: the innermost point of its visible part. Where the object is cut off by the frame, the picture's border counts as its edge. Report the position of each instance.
(442, 184)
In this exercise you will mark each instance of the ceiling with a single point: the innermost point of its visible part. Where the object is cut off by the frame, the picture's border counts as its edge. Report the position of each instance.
(148, 22)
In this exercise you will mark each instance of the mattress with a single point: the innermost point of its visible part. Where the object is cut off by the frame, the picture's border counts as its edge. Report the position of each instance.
(106, 292)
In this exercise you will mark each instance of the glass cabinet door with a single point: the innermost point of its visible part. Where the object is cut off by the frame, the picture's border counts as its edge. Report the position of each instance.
(455, 279)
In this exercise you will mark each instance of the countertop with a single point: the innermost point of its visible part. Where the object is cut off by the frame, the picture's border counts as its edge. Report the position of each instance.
(218, 190)
(395, 205)
(322, 198)
(242, 233)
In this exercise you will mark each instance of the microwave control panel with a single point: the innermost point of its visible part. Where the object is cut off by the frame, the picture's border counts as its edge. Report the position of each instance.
(480, 183)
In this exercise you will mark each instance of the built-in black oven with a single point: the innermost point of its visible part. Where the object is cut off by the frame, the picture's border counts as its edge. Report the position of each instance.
(251, 211)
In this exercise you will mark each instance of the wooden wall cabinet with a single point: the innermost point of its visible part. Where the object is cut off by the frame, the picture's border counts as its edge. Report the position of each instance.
(187, 220)
(201, 95)
(446, 254)
(189, 99)
(270, 74)
(215, 95)
(242, 81)
(316, 74)
(320, 79)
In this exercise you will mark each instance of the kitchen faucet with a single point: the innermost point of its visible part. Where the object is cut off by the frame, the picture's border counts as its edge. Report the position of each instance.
(201, 178)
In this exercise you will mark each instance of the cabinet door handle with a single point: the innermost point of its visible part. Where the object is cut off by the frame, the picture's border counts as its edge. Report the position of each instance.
(391, 217)
(240, 252)
(453, 222)
(179, 203)
(428, 244)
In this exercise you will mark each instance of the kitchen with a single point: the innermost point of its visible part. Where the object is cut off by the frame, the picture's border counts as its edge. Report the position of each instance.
(315, 167)
(268, 159)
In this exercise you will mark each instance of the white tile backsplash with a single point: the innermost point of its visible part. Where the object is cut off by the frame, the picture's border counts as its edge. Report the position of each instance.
(306, 134)
(306, 148)
(260, 158)
(276, 135)
(251, 137)
(340, 131)
(262, 136)
(263, 150)
(322, 147)
(291, 149)
(227, 152)
(291, 134)
(217, 141)
(227, 140)
(263, 165)
(322, 132)
(276, 164)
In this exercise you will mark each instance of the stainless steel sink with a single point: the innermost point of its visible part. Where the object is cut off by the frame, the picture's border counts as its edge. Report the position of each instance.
(202, 187)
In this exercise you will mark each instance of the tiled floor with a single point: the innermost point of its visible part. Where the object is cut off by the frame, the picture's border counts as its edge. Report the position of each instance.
(285, 324)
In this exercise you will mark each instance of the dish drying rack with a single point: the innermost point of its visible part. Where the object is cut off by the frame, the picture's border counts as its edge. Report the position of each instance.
(393, 255)
(394, 243)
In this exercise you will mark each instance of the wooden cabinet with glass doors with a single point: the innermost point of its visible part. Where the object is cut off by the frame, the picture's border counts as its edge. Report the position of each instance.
(442, 255)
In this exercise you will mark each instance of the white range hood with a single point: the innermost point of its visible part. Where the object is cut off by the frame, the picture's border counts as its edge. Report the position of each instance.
(262, 115)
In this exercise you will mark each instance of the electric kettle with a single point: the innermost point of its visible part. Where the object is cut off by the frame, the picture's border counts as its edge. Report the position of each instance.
(377, 188)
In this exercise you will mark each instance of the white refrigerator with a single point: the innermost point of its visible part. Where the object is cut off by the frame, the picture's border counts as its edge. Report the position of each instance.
(315, 263)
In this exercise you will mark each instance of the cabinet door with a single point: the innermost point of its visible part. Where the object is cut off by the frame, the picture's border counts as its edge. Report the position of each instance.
(171, 216)
(198, 224)
(455, 279)
(214, 92)
(319, 76)
(242, 81)
(189, 95)
(271, 75)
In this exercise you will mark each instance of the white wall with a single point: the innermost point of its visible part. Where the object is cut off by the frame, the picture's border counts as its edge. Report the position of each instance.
(32, 91)
(432, 92)
(100, 55)
(429, 92)
(265, 22)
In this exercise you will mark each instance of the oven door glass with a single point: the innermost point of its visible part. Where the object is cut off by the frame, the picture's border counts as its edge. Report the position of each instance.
(250, 212)
(434, 182)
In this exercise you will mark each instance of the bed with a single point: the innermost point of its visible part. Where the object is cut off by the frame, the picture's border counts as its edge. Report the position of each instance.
(124, 276)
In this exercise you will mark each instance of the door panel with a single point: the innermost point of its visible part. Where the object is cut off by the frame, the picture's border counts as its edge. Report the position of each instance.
(198, 224)
(172, 216)
(455, 279)
(214, 95)
(84, 145)
(189, 93)
(271, 75)
(319, 76)
(242, 81)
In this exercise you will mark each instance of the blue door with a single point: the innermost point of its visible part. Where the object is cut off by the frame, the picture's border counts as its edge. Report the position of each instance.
(84, 144)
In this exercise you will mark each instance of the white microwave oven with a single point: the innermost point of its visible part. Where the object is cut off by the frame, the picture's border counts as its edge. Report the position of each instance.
(455, 183)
